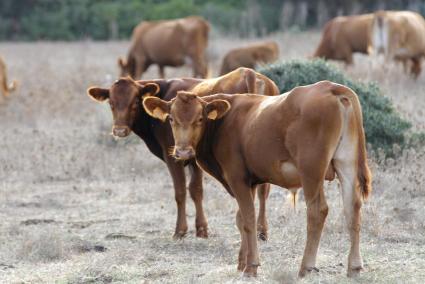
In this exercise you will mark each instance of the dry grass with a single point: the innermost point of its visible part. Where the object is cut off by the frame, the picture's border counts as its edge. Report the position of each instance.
(65, 186)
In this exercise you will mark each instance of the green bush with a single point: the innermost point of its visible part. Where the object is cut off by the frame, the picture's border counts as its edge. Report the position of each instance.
(383, 125)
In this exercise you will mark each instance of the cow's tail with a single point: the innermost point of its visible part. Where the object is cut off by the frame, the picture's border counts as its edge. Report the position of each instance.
(8, 88)
(292, 198)
(12, 86)
(250, 79)
(254, 84)
(364, 176)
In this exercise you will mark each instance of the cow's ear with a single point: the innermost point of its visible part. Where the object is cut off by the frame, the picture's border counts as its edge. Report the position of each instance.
(156, 107)
(217, 109)
(121, 62)
(149, 89)
(98, 94)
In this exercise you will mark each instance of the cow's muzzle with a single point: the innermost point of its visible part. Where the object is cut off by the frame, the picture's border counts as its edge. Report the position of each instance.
(120, 131)
(184, 153)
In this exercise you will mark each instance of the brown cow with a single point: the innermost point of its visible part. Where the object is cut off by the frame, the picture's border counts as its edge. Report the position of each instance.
(167, 43)
(297, 139)
(4, 87)
(250, 56)
(399, 35)
(342, 36)
(125, 100)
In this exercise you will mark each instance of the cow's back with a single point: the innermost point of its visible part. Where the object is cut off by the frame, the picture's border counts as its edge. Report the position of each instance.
(241, 80)
(186, 36)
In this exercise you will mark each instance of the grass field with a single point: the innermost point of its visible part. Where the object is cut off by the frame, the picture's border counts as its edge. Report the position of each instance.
(78, 207)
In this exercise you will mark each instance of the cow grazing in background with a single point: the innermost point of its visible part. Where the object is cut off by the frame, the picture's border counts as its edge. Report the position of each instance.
(399, 35)
(342, 36)
(125, 97)
(250, 56)
(296, 139)
(5, 88)
(167, 43)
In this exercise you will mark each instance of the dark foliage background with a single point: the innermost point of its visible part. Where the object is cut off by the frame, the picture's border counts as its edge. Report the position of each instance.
(112, 19)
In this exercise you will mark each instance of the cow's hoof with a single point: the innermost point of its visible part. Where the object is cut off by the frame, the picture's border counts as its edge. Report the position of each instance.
(354, 271)
(250, 271)
(202, 232)
(179, 235)
(305, 271)
(241, 266)
(262, 235)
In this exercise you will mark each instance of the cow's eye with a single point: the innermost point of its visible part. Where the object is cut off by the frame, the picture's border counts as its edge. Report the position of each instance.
(200, 120)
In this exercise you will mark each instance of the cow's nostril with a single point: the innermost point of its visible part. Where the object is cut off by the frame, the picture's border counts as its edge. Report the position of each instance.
(184, 153)
(120, 131)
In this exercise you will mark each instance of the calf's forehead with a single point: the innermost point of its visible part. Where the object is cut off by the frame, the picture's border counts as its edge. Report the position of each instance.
(123, 90)
(186, 110)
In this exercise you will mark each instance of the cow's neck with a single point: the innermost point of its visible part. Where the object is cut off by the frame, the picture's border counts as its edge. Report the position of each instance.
(205, 152)
(144, 128)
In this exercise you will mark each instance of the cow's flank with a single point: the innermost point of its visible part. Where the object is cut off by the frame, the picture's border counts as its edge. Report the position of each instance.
(399, 35)
(250, 56)
(343, 36)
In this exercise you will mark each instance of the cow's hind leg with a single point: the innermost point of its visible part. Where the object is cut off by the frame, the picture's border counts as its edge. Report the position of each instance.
(416, 67)
(263, 191)
(196, 192)
(317, 210)
(179, 180)
(243, 250)
(352, 201)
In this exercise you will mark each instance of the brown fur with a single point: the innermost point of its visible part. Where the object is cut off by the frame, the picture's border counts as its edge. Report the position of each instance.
(250, 56)
(342, 36)
(291, 141)
(5, 88)
(405, 31)
(167, 43)
(125, 97)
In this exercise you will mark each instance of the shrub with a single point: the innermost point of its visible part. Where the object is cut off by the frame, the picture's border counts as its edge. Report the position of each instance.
(383, 125)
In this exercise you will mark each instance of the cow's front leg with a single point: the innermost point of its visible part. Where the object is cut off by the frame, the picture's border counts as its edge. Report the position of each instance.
(196, 192)
(262, 226)
(247, 225)
(179, 180)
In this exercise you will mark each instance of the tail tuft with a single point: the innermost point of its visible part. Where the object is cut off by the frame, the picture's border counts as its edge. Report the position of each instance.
(292, 198)
(12, 86)
(364, 176)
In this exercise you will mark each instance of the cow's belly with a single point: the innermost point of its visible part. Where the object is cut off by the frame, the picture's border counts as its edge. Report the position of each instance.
(290, 175)
(287, 175)
(164, 60)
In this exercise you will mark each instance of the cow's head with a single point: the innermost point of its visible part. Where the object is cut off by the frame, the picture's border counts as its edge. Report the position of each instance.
(187, 114)
(124, 97)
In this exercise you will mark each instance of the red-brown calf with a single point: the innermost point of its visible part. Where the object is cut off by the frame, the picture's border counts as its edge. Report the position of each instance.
(294, 140)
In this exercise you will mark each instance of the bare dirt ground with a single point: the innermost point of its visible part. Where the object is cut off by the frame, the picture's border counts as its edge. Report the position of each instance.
(77, 207)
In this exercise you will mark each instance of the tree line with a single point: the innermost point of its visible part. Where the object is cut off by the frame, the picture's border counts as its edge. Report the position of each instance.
(115, 19)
